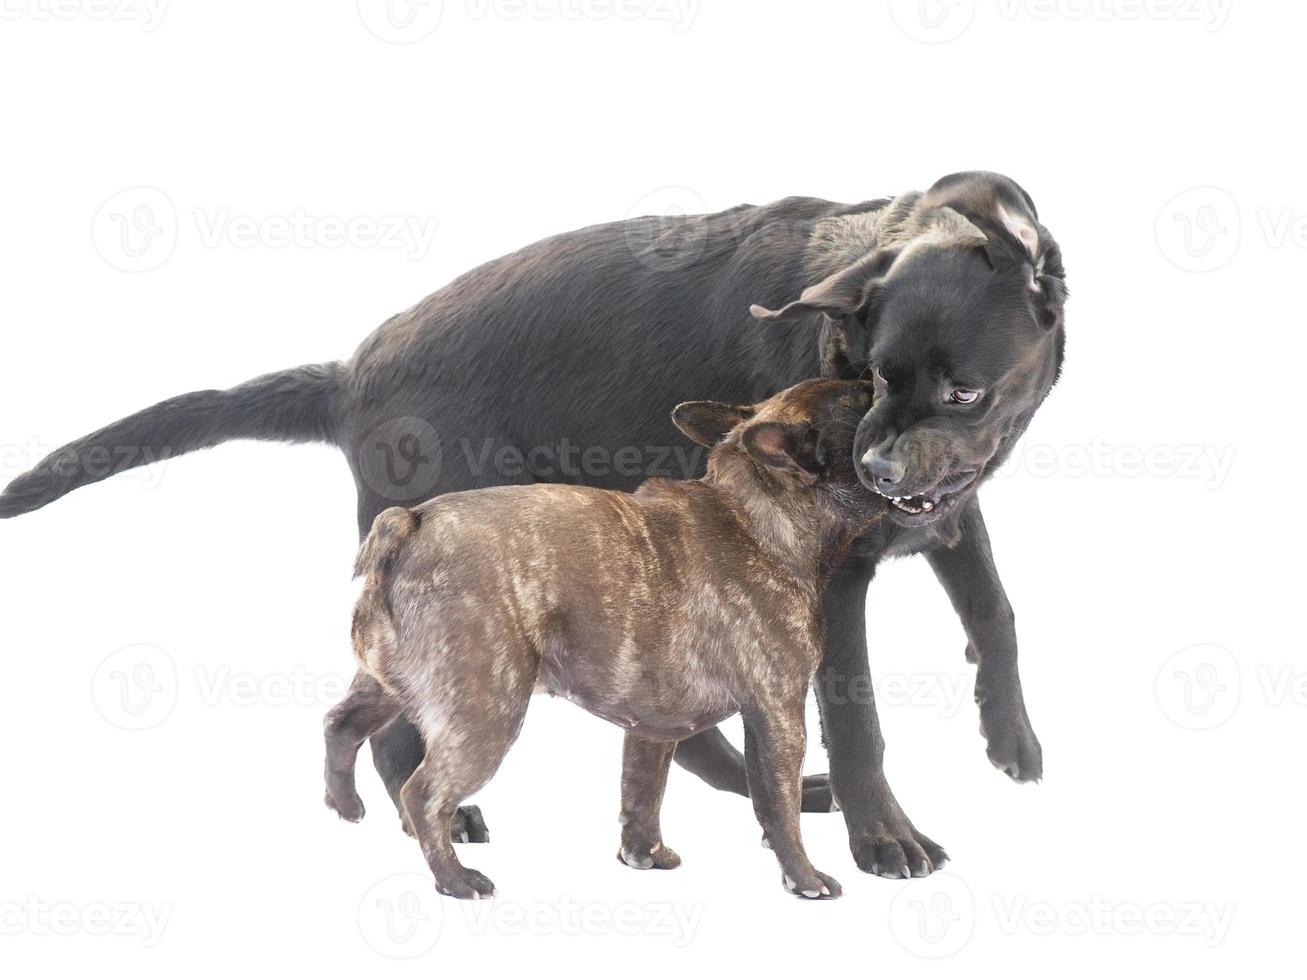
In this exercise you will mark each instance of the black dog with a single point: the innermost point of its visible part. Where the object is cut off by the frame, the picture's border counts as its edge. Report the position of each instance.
(559, 363)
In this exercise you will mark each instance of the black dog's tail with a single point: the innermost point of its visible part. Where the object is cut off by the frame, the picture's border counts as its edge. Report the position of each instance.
(297, 405)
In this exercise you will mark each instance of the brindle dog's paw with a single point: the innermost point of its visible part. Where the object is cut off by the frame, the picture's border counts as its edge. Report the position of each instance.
(816, 885)
(901, 852)
(469, 827)
(817, 796)
(642, 857)
(467, 883)
(347, 809)
(1011, 743)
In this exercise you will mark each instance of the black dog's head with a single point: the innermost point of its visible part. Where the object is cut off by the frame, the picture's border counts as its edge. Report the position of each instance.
(955, 310)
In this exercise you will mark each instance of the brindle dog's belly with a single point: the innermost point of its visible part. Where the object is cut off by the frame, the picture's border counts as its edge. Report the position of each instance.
(644, 702)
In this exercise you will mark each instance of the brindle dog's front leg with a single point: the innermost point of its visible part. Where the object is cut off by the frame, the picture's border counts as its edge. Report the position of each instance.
(969, 577)
(644, 777)
(774, 742)
(882, 838)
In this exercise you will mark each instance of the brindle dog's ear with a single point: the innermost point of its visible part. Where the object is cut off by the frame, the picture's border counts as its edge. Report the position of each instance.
(708, 422)
(790, 447)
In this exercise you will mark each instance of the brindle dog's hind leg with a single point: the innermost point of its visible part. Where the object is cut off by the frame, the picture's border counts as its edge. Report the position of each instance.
(644, 777)
(365, 709)
(397, 749)
(467, 738)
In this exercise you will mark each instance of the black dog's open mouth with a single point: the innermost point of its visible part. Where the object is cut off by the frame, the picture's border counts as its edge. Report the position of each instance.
(922, 508)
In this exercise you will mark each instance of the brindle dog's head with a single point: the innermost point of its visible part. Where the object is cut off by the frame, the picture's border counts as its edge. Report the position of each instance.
(952, 303)
(804, 435)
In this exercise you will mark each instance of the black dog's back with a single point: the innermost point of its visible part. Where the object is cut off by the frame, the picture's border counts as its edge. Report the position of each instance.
(528, 350)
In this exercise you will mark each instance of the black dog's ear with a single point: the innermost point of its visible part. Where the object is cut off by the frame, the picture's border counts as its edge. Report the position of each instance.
(708, 422)
(1001, 208)
(839, 294)
(789, 447)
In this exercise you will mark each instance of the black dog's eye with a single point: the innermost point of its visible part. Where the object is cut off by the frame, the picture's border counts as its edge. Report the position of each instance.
(963, 396)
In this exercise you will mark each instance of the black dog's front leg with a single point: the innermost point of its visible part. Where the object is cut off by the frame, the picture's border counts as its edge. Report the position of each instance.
(969, 577)
(882, 838)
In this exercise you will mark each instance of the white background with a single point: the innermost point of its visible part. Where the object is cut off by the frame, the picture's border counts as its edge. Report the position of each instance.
(1166, 832)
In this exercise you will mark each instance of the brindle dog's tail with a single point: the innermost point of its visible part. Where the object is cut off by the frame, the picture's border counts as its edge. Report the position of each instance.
(297, 405)
(373, 630)
(390, 530)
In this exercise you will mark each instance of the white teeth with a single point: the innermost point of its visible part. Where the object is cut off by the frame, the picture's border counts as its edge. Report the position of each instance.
(927, 506)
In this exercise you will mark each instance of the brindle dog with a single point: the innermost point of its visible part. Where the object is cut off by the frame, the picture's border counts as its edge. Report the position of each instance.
(664, 611)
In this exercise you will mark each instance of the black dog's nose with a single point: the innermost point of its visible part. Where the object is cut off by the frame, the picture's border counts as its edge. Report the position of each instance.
(886, 472)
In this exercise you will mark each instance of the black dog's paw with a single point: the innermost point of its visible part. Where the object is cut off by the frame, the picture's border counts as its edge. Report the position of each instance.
(466, 883)
(1011, 743)
(897, 851)
(643, 857)
(816, 886)
(347, 809)
(469, 827)
(817, 797)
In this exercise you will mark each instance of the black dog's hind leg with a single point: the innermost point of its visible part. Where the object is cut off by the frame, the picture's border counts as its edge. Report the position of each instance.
(969, 577)
(882, 838)
(711, 757)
